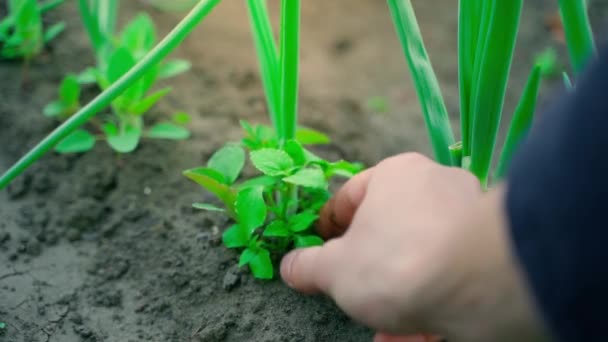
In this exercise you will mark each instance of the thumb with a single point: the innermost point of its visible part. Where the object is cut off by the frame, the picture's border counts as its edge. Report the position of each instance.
(310, 270)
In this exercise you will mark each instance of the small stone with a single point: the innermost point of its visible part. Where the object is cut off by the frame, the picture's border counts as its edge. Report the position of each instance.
(213, 333)
(231, 280)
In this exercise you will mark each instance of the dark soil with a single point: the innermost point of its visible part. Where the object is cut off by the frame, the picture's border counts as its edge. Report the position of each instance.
(97, 248)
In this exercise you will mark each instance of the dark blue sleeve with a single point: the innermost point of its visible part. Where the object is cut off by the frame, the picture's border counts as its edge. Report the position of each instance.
(557, 204)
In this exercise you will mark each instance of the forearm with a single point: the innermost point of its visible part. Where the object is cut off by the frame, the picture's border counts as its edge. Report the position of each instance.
(556, 209)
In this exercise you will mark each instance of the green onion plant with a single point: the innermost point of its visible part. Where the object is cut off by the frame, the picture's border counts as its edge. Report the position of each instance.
(115, 55)
(486, 40)
(22, 33)
(276, 210)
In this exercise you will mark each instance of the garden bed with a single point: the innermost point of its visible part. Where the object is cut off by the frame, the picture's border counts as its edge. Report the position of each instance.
(100, 248)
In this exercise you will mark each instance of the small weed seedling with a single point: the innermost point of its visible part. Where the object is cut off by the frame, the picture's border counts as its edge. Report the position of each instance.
(22, 34)
(486, 41)
(116, 55)
(275, 211)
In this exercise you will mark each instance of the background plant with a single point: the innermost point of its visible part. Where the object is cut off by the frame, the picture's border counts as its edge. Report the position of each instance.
(105, 99)
(115, 55)
(22, 33)
(486, 41)
(274, 211)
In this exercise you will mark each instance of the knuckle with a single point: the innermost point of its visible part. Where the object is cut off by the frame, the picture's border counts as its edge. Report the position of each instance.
(409, 159)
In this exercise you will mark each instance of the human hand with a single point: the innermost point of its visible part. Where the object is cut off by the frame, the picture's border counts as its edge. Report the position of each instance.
(417, 247)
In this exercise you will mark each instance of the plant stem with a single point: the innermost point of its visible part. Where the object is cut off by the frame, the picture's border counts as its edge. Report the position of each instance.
(103, 100)
(425, 81)
(491, 81)
(267, 55)
(290, 55)
(579, 35)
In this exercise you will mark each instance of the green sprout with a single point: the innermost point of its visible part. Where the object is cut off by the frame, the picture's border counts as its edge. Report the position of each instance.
(116, 54)
(548, 63)
(22, 34)
(276, 210)
(269, 219)
(105, 99)
(486, 42)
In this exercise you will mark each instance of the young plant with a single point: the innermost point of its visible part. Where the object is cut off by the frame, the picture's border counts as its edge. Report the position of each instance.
(269, 218)
(486, 41)
(116, 55)
(276, 210)
(105, 99)
(22, 34)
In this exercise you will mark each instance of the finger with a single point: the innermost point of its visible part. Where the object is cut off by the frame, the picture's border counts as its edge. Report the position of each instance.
(309, 270)
(338, 213)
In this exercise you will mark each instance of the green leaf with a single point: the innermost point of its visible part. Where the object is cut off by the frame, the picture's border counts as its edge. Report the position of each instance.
(577, 27)
(53, 109)
(246, 256)
(522, 120)
(181, 118)
(490, 79)
(139, 35)
(296, 152)
(263, 181)
(307, 136)
(119, 64)
(548, 62)
(229, 161)
(69, 90)
(343, 168)
(271, 162)
(78, 141)
(173, 68)
(261, 265)
(277, 229)
(53, 32)
(302, 221)
(123, 142)
(309, 178)
(427, 87)
(168, 131)
(236, 237)
(251, 208)
(305, 241)
(206, 207)
(144, 105)
(214, 182)
(88, 76)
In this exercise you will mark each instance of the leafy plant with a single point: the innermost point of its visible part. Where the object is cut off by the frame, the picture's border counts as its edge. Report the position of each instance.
(22, 34)
(105, 99)
(486, 41)
(274, 211)
(116, 54)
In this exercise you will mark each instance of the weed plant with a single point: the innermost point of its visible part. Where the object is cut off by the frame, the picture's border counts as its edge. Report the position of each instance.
(22, 33)
(116, 54)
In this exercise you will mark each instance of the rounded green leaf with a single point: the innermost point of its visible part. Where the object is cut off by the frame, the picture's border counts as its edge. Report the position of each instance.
(53, 109)
(229, 161)
(277, 229)
(261, 265)
(168, 131)
(235, 237)
(305, 241)
(307, 136)
(246, 256)
(302, 221)
(309, 178)
(69, 90)
(78, 141)
(271, 161)
(126, 141)
(251, 208)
